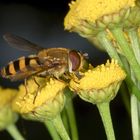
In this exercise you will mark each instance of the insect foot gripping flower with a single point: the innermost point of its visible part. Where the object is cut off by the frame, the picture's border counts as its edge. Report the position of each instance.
(99, 84)
(40, 99)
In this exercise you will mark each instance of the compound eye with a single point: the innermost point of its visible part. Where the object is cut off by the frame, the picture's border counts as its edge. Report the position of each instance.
(75, 59)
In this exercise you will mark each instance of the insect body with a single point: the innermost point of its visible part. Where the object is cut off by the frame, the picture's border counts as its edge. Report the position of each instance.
(46, 62)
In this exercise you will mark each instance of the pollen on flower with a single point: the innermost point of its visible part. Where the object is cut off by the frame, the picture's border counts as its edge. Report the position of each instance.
(91, 10)
(101, 76)
(38, 95)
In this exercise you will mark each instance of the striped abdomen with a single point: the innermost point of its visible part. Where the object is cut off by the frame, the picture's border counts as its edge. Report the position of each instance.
(21, 68)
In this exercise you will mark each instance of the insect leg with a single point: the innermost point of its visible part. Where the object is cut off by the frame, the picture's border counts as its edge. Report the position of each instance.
(78, 75)
(25, 85)
(37, 90)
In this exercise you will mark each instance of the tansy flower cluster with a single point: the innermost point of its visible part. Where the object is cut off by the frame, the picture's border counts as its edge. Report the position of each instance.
(113, 26)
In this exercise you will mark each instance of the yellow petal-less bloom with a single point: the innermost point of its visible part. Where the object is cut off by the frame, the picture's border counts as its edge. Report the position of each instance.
(40, 99)
(7, 116)
(99, 84)
(91, 10)
(6, 95)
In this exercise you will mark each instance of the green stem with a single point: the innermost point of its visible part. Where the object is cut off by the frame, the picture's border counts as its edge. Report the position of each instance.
(134, 118)
(13, 131)
(102, 37)
(65, 120)
(134, 38)
(133, 89)
(58, 124)
(72, 120)
(52, 130)
(125, 64)
(104, 111)
(127, 50)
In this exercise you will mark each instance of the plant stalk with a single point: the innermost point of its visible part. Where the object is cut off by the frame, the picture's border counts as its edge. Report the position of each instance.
(135, 118)
(58, 124)
(52, 130)
(14, 132)
(104, 111)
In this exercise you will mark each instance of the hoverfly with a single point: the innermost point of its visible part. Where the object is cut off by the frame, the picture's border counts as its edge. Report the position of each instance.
(45, 62)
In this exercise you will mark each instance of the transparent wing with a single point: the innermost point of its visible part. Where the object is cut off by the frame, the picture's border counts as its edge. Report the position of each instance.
(21, 43)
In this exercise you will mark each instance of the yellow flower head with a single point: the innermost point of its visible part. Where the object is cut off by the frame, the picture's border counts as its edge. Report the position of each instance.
(91, 10)
(7, 116)
(97, 81)
(39, 92)
(6, 96)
